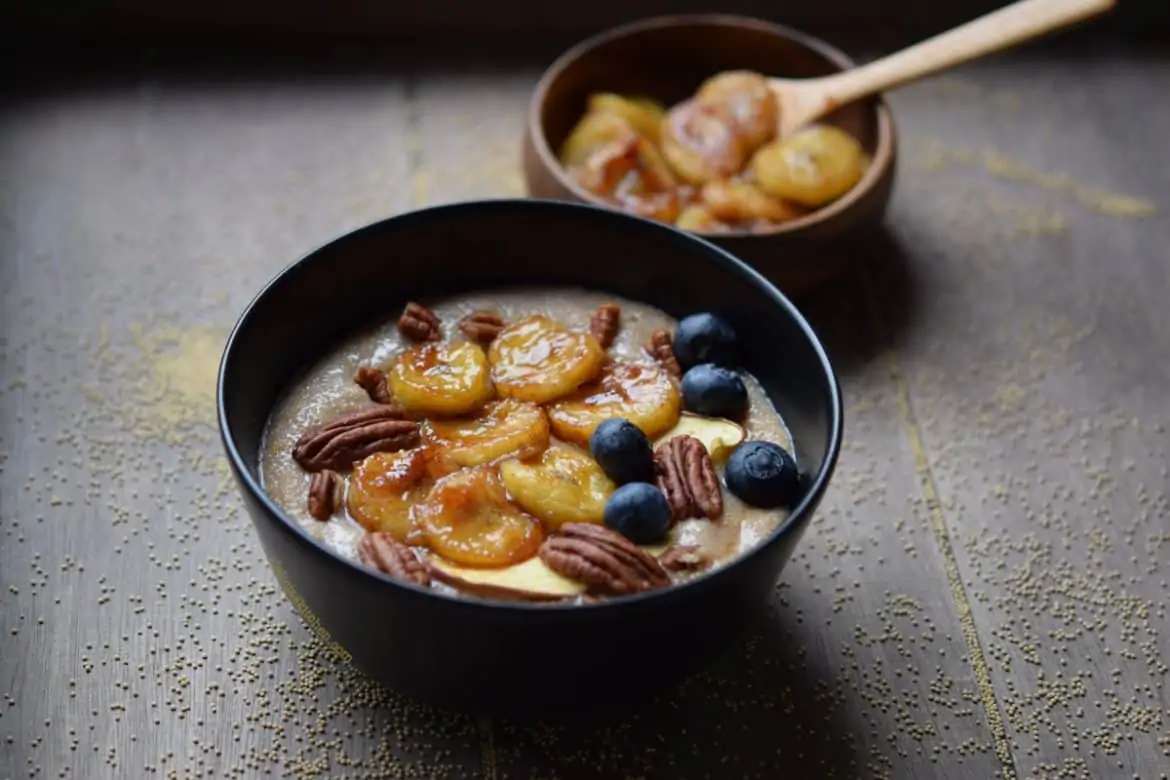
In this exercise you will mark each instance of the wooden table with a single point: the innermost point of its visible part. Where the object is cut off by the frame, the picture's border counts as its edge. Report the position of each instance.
(983, 595)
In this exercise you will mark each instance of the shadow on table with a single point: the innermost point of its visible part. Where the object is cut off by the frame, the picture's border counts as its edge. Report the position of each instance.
(870, 310)
(758, 711)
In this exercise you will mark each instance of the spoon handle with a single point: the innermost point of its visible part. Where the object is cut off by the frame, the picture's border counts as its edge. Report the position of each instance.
(997, 30)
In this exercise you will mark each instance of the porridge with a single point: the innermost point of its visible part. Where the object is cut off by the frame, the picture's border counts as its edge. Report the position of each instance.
(535, 444)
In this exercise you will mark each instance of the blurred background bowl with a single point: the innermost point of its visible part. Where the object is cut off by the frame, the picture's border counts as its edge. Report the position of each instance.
(666, 58)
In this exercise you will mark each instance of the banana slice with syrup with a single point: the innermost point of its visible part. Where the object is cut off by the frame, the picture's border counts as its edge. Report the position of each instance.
(539, 360)
(468, 519)
(441, 378)
(502, 428)
(383, 488)
(643, 394)
(563, 485)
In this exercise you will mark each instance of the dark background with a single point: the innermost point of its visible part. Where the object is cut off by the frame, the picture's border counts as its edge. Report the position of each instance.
(467, 20)
(67, 43)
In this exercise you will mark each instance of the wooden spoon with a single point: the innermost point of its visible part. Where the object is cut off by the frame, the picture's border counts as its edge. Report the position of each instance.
(805, 100)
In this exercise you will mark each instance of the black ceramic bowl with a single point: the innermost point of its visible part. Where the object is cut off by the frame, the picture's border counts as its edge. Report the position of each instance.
(495, 656)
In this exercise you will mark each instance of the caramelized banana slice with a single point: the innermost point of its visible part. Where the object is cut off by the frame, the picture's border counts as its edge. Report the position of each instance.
(442, 379)
(814, 167)
(642, 394)
(740, 201)
(653, 172)
(751, 101)
(607, 167)
(652, 191)
(701, 142)
(382, 489)
(504, 427)
(591, 133)
(632, 167)
(650, 104)
(539, 360)
(467, 518)
(644, 116)
(697, 217)
(661, 206)
(633, 173)
(564, 485)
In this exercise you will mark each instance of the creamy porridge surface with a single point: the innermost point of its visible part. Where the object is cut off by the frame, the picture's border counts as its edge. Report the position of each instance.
(328, 391)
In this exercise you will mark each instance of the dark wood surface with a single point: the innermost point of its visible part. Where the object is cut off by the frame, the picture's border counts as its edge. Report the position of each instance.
(984, 594)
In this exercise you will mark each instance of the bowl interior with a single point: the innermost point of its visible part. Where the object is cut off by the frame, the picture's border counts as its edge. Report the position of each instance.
(667, 60)
(367, 276)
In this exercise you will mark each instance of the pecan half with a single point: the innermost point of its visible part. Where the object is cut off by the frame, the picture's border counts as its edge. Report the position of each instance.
(604, 560)
(605, 322)
(420, 323)
(383, 552)
(482, 326)
(686, 476)
(323, 494)
(373, 382)
(348, 439)
(661, 348)
(686, 557)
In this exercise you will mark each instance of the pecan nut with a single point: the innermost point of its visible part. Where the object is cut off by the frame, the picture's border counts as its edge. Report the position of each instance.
(353, 437)
(381, 551)
(686, 476)
(605, 322)
(686, 557)
(604, 560)
(420, 323)
(373, 382)
(324, 489)
(482, 326)
(661, 348)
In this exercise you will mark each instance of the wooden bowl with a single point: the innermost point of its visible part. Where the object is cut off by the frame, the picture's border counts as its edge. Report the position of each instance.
(667, 58)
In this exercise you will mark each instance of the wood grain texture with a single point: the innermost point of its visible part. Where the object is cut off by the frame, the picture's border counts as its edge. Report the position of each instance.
(983, 595)
(143, 635)
(1044, 432)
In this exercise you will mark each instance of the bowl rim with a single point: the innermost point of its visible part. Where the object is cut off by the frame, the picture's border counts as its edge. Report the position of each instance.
(797, 517)
(886, 134)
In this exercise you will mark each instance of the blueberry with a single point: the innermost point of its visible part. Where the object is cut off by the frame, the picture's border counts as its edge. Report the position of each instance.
(763, 474)
(623, 451)
(704, 338)
(715, 392)
(639, 512)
